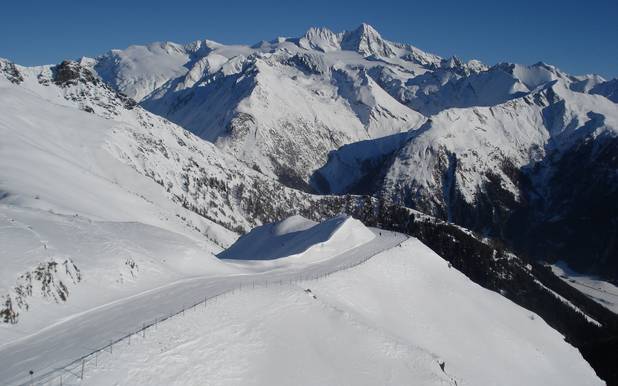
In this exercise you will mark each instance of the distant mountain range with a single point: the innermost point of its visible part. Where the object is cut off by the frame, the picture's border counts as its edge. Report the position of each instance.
(525, 154)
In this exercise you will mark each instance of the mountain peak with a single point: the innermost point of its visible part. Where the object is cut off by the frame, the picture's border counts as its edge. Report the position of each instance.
(318, 31)
(363, 31)
(367, 29)
(319, 38)
(367, 41)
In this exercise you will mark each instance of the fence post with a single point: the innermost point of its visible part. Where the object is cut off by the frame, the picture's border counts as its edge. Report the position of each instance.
(82, 374)
(143, 330)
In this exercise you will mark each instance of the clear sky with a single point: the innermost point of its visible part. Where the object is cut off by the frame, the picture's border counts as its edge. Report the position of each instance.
(578, 36)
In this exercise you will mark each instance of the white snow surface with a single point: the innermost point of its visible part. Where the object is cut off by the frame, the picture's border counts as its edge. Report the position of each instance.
(392, 320)
(138, 70)
(92, 195)
(66, 199)
(49, 346)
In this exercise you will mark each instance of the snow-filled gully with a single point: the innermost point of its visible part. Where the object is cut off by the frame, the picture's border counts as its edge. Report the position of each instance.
(67, 348)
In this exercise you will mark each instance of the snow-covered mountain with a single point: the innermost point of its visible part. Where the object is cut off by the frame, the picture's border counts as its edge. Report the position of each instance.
(78, 158)
(280, 106)
(132, 171)
(608, 89)
(531, 160)
(494, 141)
(352, 112)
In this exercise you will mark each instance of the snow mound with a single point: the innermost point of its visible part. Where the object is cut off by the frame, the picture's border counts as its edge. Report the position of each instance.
(292, 224)
(299, 237)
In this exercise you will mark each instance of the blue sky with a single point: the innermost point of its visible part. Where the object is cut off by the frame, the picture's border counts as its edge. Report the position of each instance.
(577, 36)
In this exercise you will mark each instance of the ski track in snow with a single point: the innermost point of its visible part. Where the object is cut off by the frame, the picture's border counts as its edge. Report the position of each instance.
(58, 345)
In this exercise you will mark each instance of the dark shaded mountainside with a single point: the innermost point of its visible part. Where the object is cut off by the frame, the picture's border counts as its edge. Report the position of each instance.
(550, 198)
(568, 208)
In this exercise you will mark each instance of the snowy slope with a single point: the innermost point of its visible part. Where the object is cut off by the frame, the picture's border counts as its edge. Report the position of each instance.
(608, 89)
(46, 350)
(74, 216)
(393, 320)
(536, 155)
(139, 70)
(457, 84)
(80, 159)
(283, 112)
(95, 192)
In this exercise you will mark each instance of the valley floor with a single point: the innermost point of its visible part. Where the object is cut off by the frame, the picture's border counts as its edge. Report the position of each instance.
(600, 291)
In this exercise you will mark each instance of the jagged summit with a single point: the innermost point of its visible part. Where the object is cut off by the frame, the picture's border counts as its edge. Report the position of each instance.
(366, 41)
(322, 39)
(281, 106)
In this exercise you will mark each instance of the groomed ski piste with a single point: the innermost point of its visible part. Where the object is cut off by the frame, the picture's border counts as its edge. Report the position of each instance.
(81, 334)
(352, 305)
